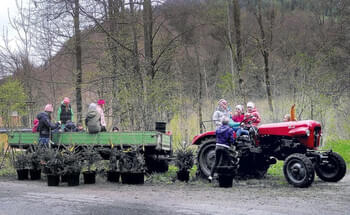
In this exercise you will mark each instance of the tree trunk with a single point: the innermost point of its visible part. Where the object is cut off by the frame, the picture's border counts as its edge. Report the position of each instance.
(113, 9)
(239, 48)
(78, 61)
(200, 87)
(148, 41)
(265, 49)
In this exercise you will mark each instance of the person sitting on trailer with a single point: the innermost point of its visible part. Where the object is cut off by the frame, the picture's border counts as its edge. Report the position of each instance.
(100, 105)
(65, 112)
(93, 119)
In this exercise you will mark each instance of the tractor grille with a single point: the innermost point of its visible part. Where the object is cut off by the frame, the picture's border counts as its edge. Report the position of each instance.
(317, 135)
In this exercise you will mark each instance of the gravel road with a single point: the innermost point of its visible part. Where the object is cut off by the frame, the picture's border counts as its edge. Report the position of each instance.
(267, 196)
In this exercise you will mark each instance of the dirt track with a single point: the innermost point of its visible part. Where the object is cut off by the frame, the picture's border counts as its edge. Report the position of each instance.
(267, 196)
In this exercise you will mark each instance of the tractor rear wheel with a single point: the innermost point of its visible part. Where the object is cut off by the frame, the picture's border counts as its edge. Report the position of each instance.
(331, 169)
(206, 157)
(298, 170)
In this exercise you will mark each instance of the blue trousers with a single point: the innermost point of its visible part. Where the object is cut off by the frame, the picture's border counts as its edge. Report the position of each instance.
(44, 142)
(239, 131)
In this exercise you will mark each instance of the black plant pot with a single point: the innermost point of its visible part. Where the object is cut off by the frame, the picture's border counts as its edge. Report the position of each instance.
(133, 178)
(73, 179)
(22, 174)
(53, 180)
(183, 175)
(225, 180)
(113, 176)
(35, 174)
(89, 177)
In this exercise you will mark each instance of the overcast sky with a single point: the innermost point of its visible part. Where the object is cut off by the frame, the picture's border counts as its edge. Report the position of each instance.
(6, 6)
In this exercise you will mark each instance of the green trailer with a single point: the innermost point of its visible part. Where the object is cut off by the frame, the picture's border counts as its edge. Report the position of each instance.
(157, 146)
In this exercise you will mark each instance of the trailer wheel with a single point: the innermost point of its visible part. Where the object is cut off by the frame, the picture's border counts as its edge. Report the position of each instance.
(206, 157)
(156, 165)
(298, 170)
(332, 169)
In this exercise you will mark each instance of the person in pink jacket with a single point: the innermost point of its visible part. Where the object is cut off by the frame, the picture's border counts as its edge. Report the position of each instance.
(99, 108)
(252, 115)
(238, 115)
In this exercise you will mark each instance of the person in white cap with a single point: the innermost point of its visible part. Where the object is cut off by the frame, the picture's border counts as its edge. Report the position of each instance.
(252, 116)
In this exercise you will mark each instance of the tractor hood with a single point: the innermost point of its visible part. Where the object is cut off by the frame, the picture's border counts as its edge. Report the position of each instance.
(292, 128)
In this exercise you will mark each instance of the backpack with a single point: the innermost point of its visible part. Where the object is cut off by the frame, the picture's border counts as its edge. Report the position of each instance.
(36, 125)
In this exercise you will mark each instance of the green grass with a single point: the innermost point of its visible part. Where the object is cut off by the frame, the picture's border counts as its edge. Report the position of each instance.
(7, 168)
(169, 177)
(340, 146)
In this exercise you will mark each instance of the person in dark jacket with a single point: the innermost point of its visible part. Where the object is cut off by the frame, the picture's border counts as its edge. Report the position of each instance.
(224, 139)
(65, 112)
(45, 126)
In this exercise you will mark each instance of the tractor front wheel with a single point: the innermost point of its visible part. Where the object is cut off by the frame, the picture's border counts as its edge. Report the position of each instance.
(298, 170)
(332, 168)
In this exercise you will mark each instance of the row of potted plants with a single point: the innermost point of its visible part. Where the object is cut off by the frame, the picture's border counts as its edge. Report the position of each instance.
(66, 163)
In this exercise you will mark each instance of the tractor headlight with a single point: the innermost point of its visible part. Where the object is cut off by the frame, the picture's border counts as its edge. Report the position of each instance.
(307, 132)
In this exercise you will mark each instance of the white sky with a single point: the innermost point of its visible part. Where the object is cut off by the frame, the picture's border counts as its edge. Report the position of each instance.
(5, 6)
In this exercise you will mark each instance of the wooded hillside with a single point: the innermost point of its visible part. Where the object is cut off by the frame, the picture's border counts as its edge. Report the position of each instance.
(173, 60)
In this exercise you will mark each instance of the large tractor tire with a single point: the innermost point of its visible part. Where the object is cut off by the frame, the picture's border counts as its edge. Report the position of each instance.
(206, 157)
(332, 169)
(298, 170)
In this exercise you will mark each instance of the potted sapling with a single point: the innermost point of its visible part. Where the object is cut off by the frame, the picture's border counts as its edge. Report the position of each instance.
(72, 161)
(184, 161)
(90, 157)
(34, 163)
(113, 173)
(21, 164)
(132, 166)
(52, 165)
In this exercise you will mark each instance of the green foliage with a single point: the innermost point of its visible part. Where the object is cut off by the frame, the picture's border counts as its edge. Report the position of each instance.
(22, 161)
(91, 156)
(168, 177)
(132, 160)
(35, 155)
(7, 169)
(227, 84)
(340, 146)
(184, 158)
(52, 161)
(276, 170)
(12, 98)
(72, 160)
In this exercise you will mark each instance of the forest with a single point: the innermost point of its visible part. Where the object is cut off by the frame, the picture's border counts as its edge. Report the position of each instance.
(173, 60)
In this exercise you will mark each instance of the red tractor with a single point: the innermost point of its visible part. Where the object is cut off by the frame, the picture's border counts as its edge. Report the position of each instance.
(294, 142)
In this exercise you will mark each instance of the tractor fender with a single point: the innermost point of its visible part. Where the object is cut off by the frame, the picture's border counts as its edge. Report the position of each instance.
(197, 139)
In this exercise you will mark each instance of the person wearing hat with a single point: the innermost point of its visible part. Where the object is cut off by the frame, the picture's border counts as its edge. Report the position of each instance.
(100, 105)
(237, 118)
(65, 112)
(252, 115)
(220, 112)
(45, 126)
